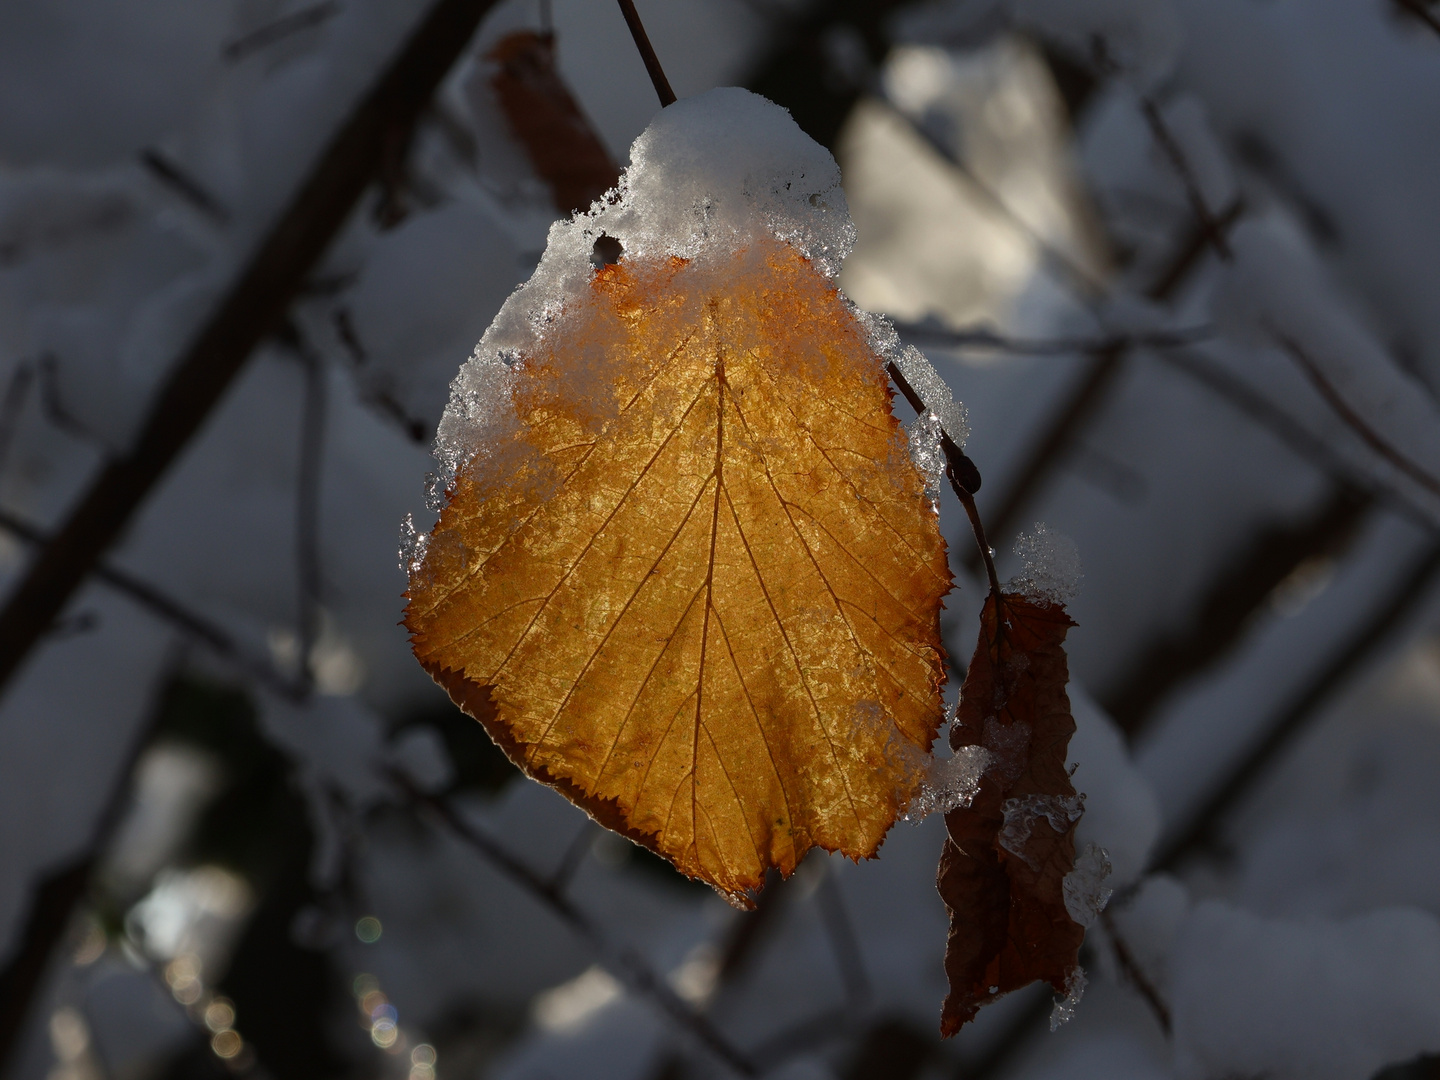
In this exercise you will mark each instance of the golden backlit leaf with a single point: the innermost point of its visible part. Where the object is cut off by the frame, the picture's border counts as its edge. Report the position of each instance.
(694, 583)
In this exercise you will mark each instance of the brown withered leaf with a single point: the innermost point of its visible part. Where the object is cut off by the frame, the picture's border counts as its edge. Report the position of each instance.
(699, 592)
(1006, 855)
(543, 115)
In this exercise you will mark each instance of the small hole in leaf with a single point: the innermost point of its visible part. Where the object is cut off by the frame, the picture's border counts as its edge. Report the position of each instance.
(606, 252)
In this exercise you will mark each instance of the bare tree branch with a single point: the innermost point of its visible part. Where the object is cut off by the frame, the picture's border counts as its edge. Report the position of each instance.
(1357, 423)
(254, 307)
(625, 962)
(166, 608)
(1361, 646)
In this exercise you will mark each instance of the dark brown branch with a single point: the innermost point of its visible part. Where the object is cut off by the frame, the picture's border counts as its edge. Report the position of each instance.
(1353, 419)
(253, 308)
(1071, 418)
(647, 53)
(183, 184)
(1417, 9)
(1362, 646)
(1187, 256)
(1261, 411)
(626, 963)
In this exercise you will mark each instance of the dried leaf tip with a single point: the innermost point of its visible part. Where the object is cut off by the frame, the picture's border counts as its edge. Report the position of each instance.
(1010, 853)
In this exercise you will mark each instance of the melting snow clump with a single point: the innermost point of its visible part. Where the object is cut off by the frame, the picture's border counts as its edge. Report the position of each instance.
(951, 783)
(1060, 811)
(1050, 566)
(1064, 1009)
(1084, 888)
(707, 176)
(412, 545)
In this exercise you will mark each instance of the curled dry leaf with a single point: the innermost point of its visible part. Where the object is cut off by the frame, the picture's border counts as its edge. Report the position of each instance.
(695, 586)
(546, 120)
(1003, 867)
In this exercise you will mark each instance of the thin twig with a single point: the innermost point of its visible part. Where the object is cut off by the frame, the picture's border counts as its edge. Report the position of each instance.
(253, 307)
(1264, 413)
(987, 553)
(168, 609)
(647, 53)
(53, 403)
(1170, 146)
(307, 501)
(1085, 285)
(16, 391)
(183, 184)
(843, 941)
(1062, 429)
(981, 337)
(574, 855)
(1353, 419)
(281, 28)
(1187, 256)
(1134, 973)
(626, 963)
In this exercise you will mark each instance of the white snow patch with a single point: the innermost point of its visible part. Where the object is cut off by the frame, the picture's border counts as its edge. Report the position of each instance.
(1122, 815)
(709, 175)
(1084, 888)
(950, 783)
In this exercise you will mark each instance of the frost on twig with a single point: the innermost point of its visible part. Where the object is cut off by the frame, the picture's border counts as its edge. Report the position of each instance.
(926, 452)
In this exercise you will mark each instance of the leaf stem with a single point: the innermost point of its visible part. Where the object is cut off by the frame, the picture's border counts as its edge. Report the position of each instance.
(964, 476)
(647, 53)
(968, 501)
